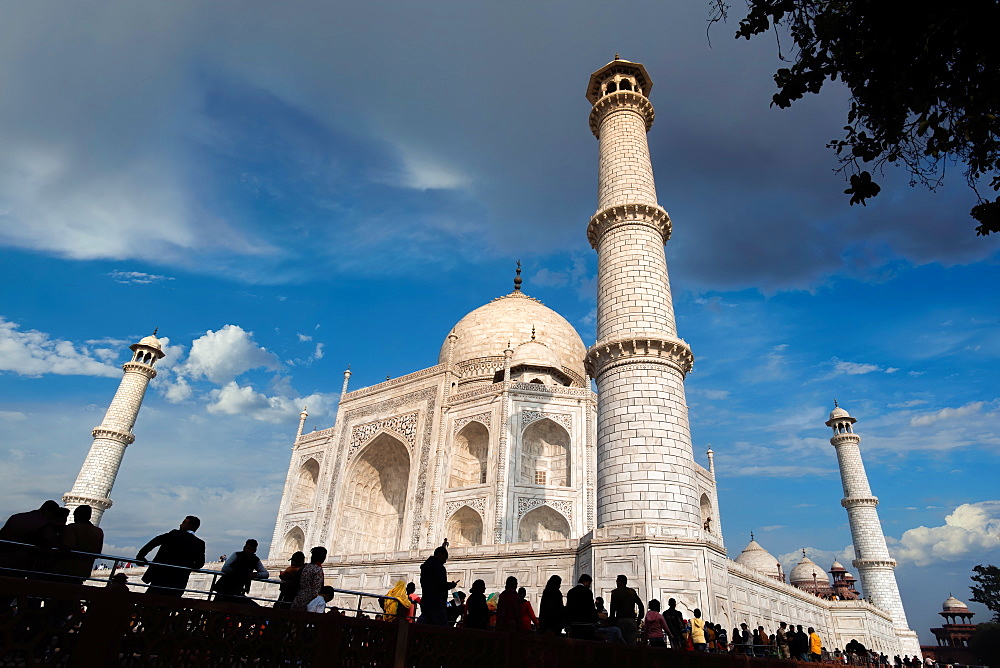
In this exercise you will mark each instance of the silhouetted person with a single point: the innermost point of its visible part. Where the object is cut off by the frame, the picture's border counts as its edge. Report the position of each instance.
(551, 611)
(456, 608)
(36, 527)
(509, 607)
(477, 613)
(581, 613)
(434, 586)
(675, 625)
(179, 552)
(414, 599)
(80, 536)
(528, 619)
(290, 577)
(800, 644)
(622, 608)
(654, 626)
(241, 568)
(310, 579)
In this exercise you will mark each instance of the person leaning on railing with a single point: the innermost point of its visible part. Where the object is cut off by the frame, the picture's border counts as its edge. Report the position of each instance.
(179, 552)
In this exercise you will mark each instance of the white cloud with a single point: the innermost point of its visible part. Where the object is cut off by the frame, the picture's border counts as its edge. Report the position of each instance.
(711, 394)
(426, 171)
(223, 355)
(946, 414)
(12, 416)
(137, 277)
(854, 368)
(178, 391)
(971, 530)
(908, 404)
(33, 353)
(234, 399)
(318, 353)
(304, 337)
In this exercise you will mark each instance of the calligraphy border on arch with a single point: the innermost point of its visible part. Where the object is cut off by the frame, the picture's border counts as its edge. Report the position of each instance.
(404, 425)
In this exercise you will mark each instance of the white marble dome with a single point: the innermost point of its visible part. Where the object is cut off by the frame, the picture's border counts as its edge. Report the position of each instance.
(487, 331)
(838, 412)
(802, 574)
(952, 604)
(756, 557)
(151, 341)
(535, 353)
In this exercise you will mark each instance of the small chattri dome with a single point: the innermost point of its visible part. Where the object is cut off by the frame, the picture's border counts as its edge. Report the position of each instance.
(802, 574)
(535, 353)
(837, 566)
(952, 604)
(756, 557)
(838, 412)
(151, 341)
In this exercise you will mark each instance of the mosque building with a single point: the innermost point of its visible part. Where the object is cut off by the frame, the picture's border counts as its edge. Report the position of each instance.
(503, 448)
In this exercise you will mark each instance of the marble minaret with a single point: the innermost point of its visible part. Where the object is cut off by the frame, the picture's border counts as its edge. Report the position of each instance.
(645, 464)
(874, 565)
(97, 476)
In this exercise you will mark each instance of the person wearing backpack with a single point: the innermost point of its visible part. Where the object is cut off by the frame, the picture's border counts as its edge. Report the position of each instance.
(237, 573)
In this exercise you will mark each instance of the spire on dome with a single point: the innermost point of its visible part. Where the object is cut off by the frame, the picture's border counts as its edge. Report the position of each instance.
(517, 277)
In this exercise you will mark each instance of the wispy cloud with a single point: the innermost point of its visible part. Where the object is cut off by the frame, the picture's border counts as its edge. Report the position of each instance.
(138, 277)
(928, 419)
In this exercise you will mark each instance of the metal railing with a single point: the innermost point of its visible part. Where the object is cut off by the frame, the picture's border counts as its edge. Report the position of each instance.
(208, 593)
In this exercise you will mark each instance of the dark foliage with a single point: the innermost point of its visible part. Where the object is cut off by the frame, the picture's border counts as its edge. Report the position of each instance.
(988, 590)
(924, 80)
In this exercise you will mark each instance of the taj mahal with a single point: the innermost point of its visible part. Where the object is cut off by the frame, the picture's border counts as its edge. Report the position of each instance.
(503, 448)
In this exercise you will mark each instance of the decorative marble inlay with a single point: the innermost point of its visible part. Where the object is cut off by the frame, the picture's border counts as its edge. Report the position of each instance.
(478, 505)
(402, 425)
(482, 418)
(526, 504)
(564, 419)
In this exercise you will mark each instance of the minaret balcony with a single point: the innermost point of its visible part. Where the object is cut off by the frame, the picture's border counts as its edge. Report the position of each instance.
(114, 434)
(621, 101)
(856, 502)
(647, 349)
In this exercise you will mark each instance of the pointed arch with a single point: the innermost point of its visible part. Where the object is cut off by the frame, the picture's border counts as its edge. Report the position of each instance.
(468, 464)
(707, 516)
(543, 523)
(294, 542)
(465, 527)
(305, 484)
(545, 455)
(373, 521)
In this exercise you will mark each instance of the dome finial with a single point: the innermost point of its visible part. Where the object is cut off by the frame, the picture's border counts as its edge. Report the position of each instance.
(155, 330)
(616, 56)
(532, 332)
(517, 278)
(751, 535)
(835, 404)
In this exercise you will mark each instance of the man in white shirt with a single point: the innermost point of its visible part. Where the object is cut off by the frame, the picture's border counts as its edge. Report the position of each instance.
(318, 604)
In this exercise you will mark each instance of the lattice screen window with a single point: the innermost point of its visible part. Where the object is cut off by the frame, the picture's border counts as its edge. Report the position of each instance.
(539, 477)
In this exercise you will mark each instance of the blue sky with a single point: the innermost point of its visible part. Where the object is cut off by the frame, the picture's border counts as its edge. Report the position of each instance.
(286, 190)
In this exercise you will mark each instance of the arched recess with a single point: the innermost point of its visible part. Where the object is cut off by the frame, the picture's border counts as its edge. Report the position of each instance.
(543, 523)
(372, 520)
(294, 542)
(468, 462)
(305, 484)
(545, 458)
(707, 517)
(465, 527)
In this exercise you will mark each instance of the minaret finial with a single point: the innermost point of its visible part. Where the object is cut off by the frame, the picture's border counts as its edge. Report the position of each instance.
(835, 404)
(155, 330)
(616, 56)
(751, 535)
(803, 553)
(517, 278)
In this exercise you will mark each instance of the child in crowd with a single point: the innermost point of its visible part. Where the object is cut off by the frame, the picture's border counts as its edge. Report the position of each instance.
(318, 604)
(654, 627)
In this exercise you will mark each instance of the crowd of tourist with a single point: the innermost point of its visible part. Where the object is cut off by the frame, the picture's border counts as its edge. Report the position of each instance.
(578, 614)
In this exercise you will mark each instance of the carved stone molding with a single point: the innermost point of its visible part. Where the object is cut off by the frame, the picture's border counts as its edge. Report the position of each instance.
(302, 524)
(862, 564)
(649, 215)
(138, 367)
(114, 434)
(526, 504)
(482, 418)
(318, 456)
(855, 502)
(564, 419)
(404, 426)
(479, 505)
(621, 101)
(648, 350)
(79, 500)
